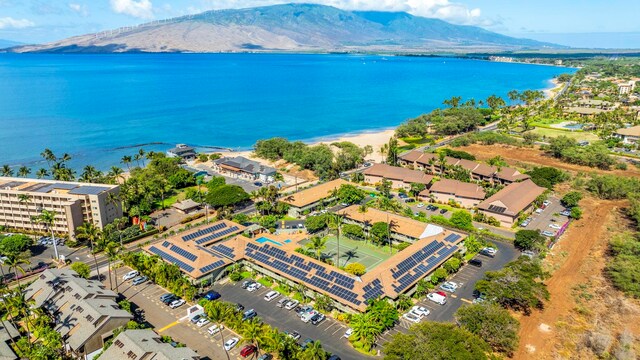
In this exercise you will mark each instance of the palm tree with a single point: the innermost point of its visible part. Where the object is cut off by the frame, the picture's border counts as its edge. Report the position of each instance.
(313, 351)
(142, 153)
(48, 156)
(318, 244)
(112, 250)
(384, 149)
(42, 173)
(115, 173)
(3, 291)
(126, 160)
(16, 261)
(6, 170)
(90, 232)
(362, 209)
(137, 158)
(252, 331)
(65, 158)
(48, 218)
(302, 290)
(25, 199)
(24, 171)
(89, 174)
(218, 312)
(118, 223)
(335, 222)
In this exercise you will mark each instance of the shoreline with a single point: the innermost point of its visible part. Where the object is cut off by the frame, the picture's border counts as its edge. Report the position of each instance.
(554, 87)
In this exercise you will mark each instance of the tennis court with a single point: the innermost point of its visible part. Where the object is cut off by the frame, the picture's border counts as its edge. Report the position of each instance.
(354, 251)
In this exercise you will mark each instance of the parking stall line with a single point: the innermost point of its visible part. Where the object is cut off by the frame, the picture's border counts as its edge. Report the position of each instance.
(467, 301)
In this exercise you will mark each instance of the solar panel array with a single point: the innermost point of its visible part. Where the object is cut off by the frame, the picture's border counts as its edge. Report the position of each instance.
(184, 253)
(415, 259)
(166, 244)
(420, 264)
(212, 266)
(373, 290)
(452, 238)
(498, 209)
(224, 250)
(217, 235)
(184, 266)
(88, 190)
(204, 231)
(332, 282)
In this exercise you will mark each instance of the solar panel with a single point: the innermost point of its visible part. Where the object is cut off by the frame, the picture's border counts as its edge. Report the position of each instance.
(181, 264)
(498, 209)
(184, 253)
(212, 266)
(204, 231)
(452, 238)
(87, 190)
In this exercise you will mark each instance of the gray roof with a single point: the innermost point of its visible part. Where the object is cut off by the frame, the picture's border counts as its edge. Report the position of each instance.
(186, 204)
(246, 165)
(88, 190)
(6, 352)
(145, 344)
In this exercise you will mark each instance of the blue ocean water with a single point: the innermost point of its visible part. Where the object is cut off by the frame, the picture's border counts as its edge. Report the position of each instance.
(101, 107)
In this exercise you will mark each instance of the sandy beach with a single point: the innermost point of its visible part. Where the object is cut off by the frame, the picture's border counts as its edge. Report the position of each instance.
(552, 91)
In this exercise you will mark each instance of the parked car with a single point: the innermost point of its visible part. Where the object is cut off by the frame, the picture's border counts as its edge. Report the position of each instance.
(449, 286)
(306, 317)
(169, 299)
(229, 344)
(525, 223)
(291, 304)
(202, 322)
(248, 350)
(177, 303)
(215, 329)
(130, 275)
(294, 334)
(539, 210)
(420, 311)
(265, 357)
(437, 298)
(489, 251)
(282, 302)
(555, 226)
(317, 319)
(432, 208)
(420, 205)
(212, 295)
(411, 317)
(547, 233)
(441, 293)
(348, 333)
(246, 283)
(249, 314)
(306, 343)
(166, 296)
(271, 295)
(566, 213)
(239, 307)
(443, 211)
(546, 203)
(528, 253)
(475, 262)
(253, 287)
(196, 318)
(140, 280)
(334, 357)
(303, 310)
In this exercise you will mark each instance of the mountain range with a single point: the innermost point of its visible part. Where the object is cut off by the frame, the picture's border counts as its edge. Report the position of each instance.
(291, 28)
(8, 43)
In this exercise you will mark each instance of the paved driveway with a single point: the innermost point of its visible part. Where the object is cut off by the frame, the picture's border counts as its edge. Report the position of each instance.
(329, 332)
(550, 215)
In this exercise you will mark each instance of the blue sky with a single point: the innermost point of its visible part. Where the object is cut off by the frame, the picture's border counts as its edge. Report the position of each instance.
(583, 23)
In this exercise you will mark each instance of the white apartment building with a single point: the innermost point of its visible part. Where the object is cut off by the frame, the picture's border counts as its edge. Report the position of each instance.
(73, 204)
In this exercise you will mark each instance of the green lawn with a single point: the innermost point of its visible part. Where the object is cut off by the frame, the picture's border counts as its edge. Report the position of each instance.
(352, 251)
(578, 135)
(265, 282)
(178, 196)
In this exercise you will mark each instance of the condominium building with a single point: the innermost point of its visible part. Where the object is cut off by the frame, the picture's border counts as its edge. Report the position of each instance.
(145, 344)
(73, 204)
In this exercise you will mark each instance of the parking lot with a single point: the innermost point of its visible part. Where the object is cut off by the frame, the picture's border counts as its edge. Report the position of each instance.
(329, 332)
(549, 216)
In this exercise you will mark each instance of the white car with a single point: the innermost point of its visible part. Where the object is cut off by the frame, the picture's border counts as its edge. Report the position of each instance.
(420, 205)
(306, 317)
(253, 287)
(546, 203)
(202, 322)
(177, 303)
(130, 275)
(229, 344)
(555, 226)
(271, 295)
(539, 211)
(215, 329)
(411, 317)
(348, 333)
(420, 311)
(437, 298)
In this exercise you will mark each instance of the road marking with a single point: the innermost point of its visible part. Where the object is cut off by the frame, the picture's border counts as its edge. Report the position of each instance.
(467, 301)
(454, 296)
(168, 326)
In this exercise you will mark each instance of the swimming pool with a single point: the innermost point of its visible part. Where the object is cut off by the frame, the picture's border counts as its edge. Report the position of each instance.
(263, 240)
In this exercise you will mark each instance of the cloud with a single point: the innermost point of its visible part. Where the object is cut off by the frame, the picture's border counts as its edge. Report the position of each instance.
(137, 8)
(442, 9)
(11, 23)
(80, 9)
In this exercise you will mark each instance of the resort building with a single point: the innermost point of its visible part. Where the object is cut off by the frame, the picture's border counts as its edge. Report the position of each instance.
(309, 199)
(467, 195)
(626, 88)
(8, 333)
(400, 178)
(242, 168)
(73, 203)
(191, 252)
(182, 151)
(507, 204)
(145, 344)
(630, 135)
(85, 311)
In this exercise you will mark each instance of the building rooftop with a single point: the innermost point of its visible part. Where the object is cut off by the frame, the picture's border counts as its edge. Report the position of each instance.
(513, 198)
(511, 174)
(313, 194)
(43, 186)
(403, 225)
(240, 163)
(458, 188)
(630, 131)
(186, 204)
(7, 332)
(418, 156)
(585, 110)
(398, 173)
(145, 344)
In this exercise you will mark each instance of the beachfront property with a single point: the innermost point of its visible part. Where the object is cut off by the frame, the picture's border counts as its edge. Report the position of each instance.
(630, 135)
(275, 256)
(182, 151)
(8, 332)
(145, 344)
(196, 251)
(467, 195)
(73, 203)
(507, 204)
(242, 168)
(478, 171)
(307, 200)
(84, 311)
(400, 178)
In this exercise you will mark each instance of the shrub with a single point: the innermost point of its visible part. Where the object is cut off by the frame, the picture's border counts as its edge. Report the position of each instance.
(235, 276)
(576, 213)
(82, 269)
(356, 269)
(529, 240)
(571, 199)
(492, 323)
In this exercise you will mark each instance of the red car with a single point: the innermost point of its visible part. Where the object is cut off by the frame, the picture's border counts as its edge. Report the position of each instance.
(247, 350)
(441, 293)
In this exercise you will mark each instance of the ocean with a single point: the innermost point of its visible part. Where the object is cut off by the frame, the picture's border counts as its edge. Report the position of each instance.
(100, 107)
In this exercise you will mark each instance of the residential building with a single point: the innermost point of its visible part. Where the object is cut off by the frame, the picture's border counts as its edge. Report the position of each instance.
(85, 312)
(400, 178)
(182, 151)
(145, 344)
(419, 160)
(242, 168)
(630, 135)
(507, 204)
(467, 195)
(309, 199)
(8, 332)
(626, 87)
(73, 203)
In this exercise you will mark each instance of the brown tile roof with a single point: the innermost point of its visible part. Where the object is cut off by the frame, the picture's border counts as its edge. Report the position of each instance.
(458, 188)
(404, 225)
(313, 194)
(468, 164)
(513, 198)
(398, 173)
(419, 157)
(511, 174)
(485, 170)
(630, 131)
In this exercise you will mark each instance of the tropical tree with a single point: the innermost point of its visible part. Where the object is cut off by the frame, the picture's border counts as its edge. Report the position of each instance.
(47, 219)
(42, 173)
(218, 312)
(335, 223)
(25, 199)
(82, 269)
(112, 250)
(317, 244)
(6, 170)
(313, 351)
(91, 233)
(48, 156)
(24, 171)
(252, 331)
(126, 160)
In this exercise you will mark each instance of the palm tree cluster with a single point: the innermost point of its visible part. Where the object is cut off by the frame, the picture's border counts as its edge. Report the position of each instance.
(264, 337)
(266, 199)
(368, 326)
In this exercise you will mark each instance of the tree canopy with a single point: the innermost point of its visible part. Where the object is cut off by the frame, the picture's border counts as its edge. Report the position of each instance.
(14, 244)
(529, 240)
(491, 323)
(226, 195)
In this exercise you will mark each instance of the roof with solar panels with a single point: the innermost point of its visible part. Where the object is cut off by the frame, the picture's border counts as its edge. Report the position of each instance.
(44, 186)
